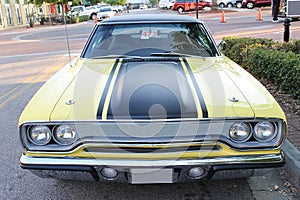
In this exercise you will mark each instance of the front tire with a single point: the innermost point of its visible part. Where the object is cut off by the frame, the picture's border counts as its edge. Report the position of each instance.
(250, 5)
(93, 16)
(221, 5)
(239, 4)
(180, 9)
(229, 5)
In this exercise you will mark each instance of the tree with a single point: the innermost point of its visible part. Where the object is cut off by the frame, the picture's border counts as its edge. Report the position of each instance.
(215, 5)
(153, 2)
(116, 2)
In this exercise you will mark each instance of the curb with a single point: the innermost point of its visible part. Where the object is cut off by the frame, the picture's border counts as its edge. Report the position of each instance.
(292, 165)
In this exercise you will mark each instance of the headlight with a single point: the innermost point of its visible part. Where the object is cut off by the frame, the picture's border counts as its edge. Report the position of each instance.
(264, 131)
(64, 135)
(39, 135)
(240, 131)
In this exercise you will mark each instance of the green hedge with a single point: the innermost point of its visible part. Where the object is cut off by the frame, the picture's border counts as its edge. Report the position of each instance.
(278, 62)
(84, 18)
(76, 19)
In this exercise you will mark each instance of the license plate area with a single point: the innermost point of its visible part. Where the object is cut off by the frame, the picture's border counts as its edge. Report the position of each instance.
(151, 175)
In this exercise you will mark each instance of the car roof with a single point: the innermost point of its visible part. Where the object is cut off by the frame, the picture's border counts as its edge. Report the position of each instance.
(150, 18)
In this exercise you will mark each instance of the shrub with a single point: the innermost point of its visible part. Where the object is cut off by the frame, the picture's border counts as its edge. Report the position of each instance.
(235, 46)
(278, 62)
(293, 45)
(84, 18)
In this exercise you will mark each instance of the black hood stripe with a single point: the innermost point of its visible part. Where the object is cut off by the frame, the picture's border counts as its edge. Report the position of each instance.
(198, 91)
(104, 94)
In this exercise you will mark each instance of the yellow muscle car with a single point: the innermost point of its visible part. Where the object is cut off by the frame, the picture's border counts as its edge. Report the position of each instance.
(151, 100)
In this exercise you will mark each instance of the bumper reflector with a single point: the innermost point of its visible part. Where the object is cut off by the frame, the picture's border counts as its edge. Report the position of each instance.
(195, 172)
(109, 173)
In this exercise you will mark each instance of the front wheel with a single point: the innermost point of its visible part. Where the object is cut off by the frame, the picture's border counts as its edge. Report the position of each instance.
(180, 9)
(239, 4)
(250, 5)
(93, 16)
(221, 5)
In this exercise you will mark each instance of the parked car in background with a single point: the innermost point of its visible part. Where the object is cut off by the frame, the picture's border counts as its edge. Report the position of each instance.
(189, 5)
(256, 3)
(171, 4)
(91, 11)
(166, 4)
(226, 3)
(118, 8)
(106, 12)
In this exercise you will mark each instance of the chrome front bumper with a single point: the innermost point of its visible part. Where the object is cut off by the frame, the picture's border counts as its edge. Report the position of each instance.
(89, 169)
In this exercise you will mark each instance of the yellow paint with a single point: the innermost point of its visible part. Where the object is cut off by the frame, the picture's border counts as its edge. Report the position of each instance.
(86, 91)
(42, 103)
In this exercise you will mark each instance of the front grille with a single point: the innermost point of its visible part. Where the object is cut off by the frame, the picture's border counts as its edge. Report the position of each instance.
(152, 149)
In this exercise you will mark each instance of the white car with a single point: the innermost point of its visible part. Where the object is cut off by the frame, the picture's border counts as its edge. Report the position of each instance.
(105, 12)
(170, 4)
(91, 11)
(226, 3)
(166, 4)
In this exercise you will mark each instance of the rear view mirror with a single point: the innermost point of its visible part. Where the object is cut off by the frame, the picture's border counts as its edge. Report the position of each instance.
(222, 45)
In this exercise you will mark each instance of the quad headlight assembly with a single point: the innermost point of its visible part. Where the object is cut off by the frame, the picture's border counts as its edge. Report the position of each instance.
(255, 131)
(42, 135)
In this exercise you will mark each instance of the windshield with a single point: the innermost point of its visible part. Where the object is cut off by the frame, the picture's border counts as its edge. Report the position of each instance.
(189, 39)
(105, 9)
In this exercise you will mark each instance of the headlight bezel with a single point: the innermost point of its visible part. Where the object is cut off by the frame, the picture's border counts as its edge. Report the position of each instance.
(33, 141)
(52, 142)
(55, 136)
(275, 131)
(243, 125)
(278, 132)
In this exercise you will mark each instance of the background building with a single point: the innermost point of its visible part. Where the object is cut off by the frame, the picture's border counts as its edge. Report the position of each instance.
(14, 13)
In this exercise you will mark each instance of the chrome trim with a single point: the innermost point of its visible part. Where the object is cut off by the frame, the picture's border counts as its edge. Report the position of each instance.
(194, 137)
(249, 159)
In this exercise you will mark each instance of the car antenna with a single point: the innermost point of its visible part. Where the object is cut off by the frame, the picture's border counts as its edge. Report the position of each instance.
(67, 34)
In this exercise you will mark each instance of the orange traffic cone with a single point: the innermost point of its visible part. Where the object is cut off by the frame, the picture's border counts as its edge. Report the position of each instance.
(96, 19)
(259, 15)
(223, 17)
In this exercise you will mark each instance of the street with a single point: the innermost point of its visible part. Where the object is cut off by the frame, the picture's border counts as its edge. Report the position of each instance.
(29, 57)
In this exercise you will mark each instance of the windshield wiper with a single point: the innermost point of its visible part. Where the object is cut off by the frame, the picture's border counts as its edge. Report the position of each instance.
(174, 54)
(118, 56)
(170, 54)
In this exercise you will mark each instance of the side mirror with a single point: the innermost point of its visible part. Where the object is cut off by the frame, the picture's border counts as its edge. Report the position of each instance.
(222, 45)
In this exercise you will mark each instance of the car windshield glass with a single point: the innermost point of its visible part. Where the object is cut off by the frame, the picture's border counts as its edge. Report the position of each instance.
(105, 9)
(165, 39)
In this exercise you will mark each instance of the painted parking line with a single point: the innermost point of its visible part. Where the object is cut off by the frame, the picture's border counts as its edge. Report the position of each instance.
(17, 91)
(73, 52)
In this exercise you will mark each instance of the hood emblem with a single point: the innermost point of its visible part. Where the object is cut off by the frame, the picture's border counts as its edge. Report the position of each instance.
(233, 99)
(70, 102)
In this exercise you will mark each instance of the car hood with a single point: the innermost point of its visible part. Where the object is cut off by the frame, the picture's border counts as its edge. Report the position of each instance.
(192, 88)
(161, 89)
